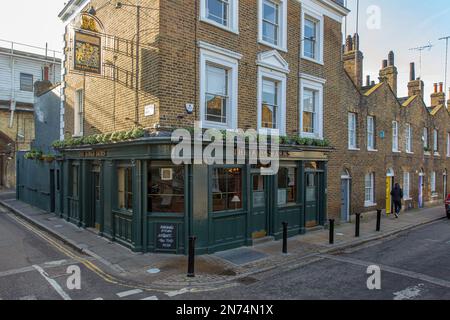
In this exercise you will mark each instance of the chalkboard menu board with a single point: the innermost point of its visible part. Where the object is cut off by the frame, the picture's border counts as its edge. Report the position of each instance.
(166, 236)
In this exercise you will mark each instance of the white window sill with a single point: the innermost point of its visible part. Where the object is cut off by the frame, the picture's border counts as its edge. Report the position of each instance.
(408, 199)
(353, 149)
(369, 204)
(396, 151)
(427, 153)
(218, 25)
(437, 154)
(317, 61)
(311, 135)
(268, 44)
(78, 135)
(372, 150)
(409, 152)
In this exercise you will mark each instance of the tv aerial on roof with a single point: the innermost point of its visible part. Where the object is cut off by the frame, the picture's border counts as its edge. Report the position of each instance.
(428, 47)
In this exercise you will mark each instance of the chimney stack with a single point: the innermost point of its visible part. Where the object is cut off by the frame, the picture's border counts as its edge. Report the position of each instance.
(389, 72)
(368, 81)
(415, 86)
(353, 60)
(438, 97)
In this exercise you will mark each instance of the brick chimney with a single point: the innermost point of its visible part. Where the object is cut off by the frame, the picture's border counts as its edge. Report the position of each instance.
(353, 60)
(389, 72)
(415, 86)
(41, 87)
(438, 96)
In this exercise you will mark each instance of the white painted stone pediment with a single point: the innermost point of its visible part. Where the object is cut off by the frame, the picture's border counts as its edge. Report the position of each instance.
(273, 60)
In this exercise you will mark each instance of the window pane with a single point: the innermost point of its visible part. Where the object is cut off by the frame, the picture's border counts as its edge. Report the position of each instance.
(166, 189)
(227, 189)
(270, 33)
(270, 92)
(310, 38)
(217, 10)
(216, 80)
(270, 104)
(26, 82)
(309, 109)
(287, 186)
(270, 12)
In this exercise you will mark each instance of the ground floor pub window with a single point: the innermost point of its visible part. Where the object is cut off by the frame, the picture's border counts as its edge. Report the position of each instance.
(165, 188)
(227, 189)
(125, 188)
(287, 186)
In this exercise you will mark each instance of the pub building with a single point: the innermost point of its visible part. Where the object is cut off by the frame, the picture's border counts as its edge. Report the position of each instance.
(161, 79)
(132, 193)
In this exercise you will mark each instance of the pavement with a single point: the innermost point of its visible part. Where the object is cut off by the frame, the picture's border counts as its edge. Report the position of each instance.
(167, 273)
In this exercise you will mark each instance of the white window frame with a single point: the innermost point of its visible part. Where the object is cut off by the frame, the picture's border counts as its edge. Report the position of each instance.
(233, 14)
(369, 202)
(315, 84)
(282, 30)
(79, 106)
(408, 138)
(436, 141)
(315, 15)
(395, 128)
(230, 60)
(425, 138)
(448, 144)
(281, 78)
(371, 133)
(352, 130)
(433, 183)
(406, 185)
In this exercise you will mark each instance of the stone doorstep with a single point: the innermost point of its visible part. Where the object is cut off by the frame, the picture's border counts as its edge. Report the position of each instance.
(203, 281)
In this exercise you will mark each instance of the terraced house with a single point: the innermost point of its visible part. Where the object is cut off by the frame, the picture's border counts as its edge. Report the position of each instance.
(390, 140)
(162, 65)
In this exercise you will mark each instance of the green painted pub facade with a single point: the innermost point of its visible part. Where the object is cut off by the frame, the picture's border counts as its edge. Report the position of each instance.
(133, 194)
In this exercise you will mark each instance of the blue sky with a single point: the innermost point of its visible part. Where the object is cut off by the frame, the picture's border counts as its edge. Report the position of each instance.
(404, 24)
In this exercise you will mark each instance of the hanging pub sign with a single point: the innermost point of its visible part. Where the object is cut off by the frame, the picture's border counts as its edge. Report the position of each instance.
(87, 52)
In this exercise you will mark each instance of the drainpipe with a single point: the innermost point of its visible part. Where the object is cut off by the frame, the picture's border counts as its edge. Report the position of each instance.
(13, 93)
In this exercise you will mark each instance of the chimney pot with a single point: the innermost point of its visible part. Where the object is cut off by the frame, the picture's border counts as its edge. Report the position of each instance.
(373, 83)
(391, 58)
(435, 88)
(384, 64)
(349, 44)
(441, 87)
(412, 71)
(368, 80)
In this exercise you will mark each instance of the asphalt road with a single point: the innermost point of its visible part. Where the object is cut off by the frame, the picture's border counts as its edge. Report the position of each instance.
(414, 265)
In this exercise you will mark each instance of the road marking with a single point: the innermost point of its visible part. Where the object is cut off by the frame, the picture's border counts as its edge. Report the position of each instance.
(53, 283)
(151, 298)
(177, 293)
(28, 298)
(46, 265)
(98, 299)
(401, 272)
(409, 293)
(129, 293)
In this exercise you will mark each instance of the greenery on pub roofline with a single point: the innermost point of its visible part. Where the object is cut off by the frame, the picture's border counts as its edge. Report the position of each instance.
(137, 133)
(39, 155)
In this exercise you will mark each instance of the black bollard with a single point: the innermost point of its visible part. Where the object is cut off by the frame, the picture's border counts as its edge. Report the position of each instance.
(331, 231)
(358, 222)
(191, 259)
(285, 236)
(378, 220)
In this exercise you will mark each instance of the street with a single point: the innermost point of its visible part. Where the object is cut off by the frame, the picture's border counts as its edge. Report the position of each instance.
(414, 265)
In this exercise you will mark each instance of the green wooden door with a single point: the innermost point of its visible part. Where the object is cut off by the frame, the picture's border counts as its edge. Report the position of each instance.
(96, 203)
(259, 207)
(311, 199)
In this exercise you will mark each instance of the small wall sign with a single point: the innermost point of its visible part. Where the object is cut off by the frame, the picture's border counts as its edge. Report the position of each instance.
(149, 110)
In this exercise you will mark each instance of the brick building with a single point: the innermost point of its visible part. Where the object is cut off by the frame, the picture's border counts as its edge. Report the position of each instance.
(20, 66)
(390, 140)
(261, 65)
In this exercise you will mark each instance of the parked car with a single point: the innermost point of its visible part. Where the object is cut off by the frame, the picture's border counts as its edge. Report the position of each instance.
(447, 206)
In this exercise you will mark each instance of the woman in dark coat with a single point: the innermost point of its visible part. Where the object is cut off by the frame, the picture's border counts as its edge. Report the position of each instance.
(397, 196)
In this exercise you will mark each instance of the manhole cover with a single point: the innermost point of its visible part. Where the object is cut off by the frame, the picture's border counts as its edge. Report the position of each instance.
(153, 271)
(241, 256)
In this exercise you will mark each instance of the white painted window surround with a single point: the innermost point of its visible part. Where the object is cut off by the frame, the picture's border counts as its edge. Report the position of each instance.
(395, 136)
(314, 84)
(369, 182)
(352, 134)
(406, 185)
(231, 23)
(313, 13)
(272, 67)
(282, 25)
(226, 59)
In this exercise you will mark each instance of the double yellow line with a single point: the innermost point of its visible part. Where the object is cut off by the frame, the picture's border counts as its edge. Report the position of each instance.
(105, 276)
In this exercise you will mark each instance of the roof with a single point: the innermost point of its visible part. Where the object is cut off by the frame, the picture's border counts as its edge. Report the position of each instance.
(408, 101)
(30, 55)
(373, 89)
(435, 110)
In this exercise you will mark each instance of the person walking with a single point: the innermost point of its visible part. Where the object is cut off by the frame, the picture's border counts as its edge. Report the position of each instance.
(397, 196)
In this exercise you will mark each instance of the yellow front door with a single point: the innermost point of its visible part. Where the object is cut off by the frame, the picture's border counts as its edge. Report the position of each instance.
(388, 195)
